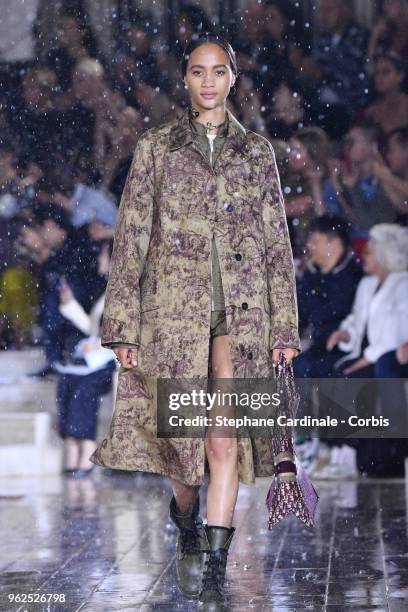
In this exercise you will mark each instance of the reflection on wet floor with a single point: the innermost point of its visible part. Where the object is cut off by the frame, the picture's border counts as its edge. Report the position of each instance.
(106, 543)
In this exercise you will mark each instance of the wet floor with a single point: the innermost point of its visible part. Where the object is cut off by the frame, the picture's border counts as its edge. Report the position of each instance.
(105, 543)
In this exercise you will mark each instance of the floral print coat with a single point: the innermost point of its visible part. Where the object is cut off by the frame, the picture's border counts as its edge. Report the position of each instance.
(159, 288)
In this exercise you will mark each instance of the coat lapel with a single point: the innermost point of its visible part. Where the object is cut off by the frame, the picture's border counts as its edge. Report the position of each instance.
(180, 133)
(235, 150)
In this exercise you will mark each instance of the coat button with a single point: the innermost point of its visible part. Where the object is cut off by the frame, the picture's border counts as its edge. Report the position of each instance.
(238, 256)
(244, 306)
(228, 207)
(249, 355)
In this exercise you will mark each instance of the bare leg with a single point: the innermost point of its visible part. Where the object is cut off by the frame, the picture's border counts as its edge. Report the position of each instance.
(72, 452)
(87, 448)
(185, 495)
(222, 453)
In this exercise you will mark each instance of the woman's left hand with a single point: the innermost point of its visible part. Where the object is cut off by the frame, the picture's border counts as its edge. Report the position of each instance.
(289, 353)
(402, 353)
(360, 363)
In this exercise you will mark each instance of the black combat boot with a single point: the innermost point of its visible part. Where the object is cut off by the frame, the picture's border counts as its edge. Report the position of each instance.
(217, 543)
(189, 549)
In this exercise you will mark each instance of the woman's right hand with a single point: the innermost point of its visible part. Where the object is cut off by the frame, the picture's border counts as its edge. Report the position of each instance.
(340, 335)
(127, 357)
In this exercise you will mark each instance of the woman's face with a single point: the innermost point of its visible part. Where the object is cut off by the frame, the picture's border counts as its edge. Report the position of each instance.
(298, 155)
(209, 77)
(387, 77)
(370, 262)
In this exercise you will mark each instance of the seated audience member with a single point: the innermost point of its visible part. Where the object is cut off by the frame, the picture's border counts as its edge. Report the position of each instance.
(390, 32)
(325, 292)
(375, 337)
(155, 106)
(394, 177)
(390, 110)
(249, 102)
(38, 124)
(303, 190)
(75, 40)
(123, 137)
(277, 17)
(288, 112)
(137, 43)
(89, 113)
(250, 38)
(361, 194)
(85, 376)
(61, 254)
(378, 322)
(190, 20)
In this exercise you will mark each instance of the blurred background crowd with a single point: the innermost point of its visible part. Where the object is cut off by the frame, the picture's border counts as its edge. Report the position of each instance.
(329, 93)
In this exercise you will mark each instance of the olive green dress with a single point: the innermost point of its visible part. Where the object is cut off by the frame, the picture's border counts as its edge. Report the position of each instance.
(211, 145)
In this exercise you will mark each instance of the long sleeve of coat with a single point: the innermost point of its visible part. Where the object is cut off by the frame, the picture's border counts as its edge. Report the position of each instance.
(279, 261)
(121, 317)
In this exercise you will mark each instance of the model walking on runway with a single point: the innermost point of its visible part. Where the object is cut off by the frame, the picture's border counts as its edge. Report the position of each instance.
(201, 284)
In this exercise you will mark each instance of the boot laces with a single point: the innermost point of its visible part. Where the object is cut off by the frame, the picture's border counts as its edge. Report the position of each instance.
(213, 572)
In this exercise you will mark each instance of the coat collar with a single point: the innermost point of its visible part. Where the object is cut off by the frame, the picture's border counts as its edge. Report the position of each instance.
(342, 263)
(181, 134)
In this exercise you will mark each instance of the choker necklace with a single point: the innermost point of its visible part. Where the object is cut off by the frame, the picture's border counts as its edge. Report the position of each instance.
(208, 125)
(211, 126)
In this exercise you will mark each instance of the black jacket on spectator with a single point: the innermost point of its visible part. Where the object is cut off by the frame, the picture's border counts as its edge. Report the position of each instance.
(76, 262)
(324, 300)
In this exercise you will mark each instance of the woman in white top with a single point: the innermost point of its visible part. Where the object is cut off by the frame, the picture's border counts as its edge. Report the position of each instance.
(375, 337)
(377, 327)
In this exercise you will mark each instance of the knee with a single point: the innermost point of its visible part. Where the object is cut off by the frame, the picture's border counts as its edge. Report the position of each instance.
(220, 449)
(387, 366)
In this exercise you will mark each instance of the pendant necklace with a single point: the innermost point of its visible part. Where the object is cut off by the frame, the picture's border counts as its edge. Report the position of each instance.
(211, 126)
(208, 125)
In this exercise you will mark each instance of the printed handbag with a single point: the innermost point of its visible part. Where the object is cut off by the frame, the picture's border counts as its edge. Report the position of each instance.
(291, 489)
